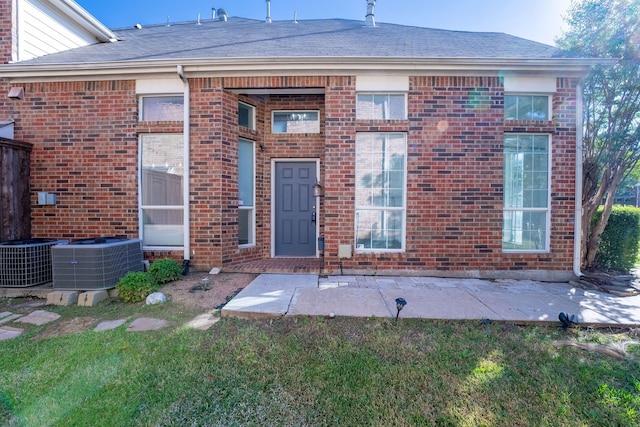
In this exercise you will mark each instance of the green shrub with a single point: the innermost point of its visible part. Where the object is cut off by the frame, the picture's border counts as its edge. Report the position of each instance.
(165, 270)
(135, 286)
(618, 246)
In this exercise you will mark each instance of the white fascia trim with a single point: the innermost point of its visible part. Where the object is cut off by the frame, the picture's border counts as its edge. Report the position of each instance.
(127, 70)
(83, 18)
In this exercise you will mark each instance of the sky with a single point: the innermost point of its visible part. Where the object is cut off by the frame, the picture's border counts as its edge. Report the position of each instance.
(537, 20)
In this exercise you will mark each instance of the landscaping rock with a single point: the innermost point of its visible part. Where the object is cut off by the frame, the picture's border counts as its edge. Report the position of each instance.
(156, 298)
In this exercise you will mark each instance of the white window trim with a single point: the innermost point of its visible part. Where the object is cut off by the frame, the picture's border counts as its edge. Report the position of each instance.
(549, 104)
(274, 112)
(382, 83)
(253, 207)
(547, 243)
(251, 108)
(406, 106)
(184, 207)
(141, 97)
(395, 208)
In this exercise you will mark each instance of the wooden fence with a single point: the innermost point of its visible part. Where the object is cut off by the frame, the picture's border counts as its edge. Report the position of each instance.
(15, 204)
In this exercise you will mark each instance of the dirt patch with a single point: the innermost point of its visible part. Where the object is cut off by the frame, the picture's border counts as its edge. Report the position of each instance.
(66, 327)
(193, 292)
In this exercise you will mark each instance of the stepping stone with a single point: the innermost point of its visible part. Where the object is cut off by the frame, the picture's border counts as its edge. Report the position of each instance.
(5, 314)
(203, 322)
(39, 317)
(109, 324)
(9, 318)
(7, 333)
(146, 324)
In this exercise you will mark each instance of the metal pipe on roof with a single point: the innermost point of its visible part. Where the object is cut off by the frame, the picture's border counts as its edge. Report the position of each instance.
(268, 11)
(370, 20)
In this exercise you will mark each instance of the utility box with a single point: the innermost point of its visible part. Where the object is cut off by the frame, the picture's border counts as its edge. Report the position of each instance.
(344, 251)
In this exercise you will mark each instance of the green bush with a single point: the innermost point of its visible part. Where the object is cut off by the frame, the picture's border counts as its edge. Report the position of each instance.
(618, 246)
(165, 270)
(135, 286)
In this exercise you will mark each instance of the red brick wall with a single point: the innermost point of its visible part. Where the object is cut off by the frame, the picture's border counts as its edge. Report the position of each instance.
(85, 151)
(85, 137)
(6, 29)
(455, 178)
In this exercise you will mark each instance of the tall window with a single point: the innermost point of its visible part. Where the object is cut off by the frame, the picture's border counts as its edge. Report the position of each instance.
(162, 108)
(247, 115)
(526, 107)
(526, 193)
(162, 202)
(246, 193)
(380, 190)
(381, 106)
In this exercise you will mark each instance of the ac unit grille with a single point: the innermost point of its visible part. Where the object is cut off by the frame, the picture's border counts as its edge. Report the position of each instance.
(87, 266)
(25, 263)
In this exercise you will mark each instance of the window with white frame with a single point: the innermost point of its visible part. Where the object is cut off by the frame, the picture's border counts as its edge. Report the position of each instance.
(296, 122)
(162, 201)
(380, 191)
(246, 193)
(247, 115)
(527, 175)
(526, 107)
(381, 106)
(158, 108)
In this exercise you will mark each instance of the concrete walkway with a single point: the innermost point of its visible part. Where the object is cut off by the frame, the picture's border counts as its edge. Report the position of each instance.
(516, 301)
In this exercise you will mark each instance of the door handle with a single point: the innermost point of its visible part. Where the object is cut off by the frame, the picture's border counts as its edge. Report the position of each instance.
(313, 216)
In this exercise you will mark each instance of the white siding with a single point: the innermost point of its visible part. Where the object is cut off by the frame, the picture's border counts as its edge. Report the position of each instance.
(42, 30)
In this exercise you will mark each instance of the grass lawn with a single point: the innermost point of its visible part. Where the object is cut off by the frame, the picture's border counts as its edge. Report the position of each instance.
(314, 371)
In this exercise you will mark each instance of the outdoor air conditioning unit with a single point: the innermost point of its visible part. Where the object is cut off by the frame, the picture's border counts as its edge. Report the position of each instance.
(96, 263)
(26, 262)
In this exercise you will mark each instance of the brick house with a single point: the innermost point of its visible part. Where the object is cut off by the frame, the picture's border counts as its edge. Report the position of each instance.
(231, 141)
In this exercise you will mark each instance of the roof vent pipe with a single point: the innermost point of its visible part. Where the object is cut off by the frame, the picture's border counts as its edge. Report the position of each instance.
(370, 20)
(213, 13)
(222, 15)
(268, 11)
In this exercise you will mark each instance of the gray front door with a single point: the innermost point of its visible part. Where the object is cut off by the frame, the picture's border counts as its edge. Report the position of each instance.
(295, 210)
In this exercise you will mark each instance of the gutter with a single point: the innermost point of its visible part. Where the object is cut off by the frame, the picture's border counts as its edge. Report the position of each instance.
(187, 165)
(36, 70)
(577, 231)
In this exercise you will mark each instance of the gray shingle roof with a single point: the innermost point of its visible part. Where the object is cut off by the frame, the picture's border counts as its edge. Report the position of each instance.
(332, 38)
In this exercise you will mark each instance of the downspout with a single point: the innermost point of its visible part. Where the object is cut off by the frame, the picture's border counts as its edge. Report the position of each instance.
(187, 170)
(577, 232)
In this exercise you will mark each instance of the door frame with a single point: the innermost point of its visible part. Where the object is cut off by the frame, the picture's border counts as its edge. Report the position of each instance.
(273, 199)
